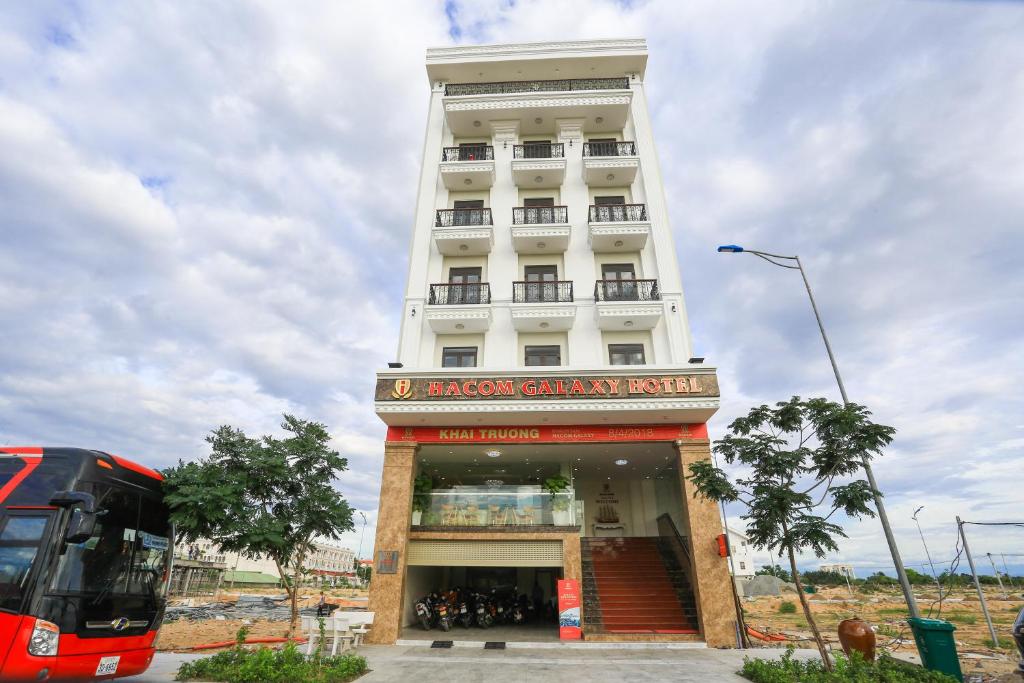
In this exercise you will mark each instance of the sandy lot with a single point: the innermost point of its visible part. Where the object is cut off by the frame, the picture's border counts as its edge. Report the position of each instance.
(886, 611)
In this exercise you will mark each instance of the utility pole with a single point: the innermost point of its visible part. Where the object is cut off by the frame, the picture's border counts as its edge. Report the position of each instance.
(977, 584)
(927, 554)
(1007, 570)
(996, 572)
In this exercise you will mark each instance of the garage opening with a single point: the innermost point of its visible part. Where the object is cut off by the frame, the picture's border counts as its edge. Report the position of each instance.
(482, 590)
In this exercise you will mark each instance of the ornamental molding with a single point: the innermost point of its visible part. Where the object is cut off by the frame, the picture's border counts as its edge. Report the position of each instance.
(627, 309)
(533, 310)
(535, 101)
(541, 230)
(467, 166)
(535, 165)
(441, 233)
(611, 162)
(464, 52)
(458, 312)
(559, 406)
(624, 228)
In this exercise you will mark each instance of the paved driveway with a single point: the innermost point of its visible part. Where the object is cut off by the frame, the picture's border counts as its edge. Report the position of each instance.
(397, 663)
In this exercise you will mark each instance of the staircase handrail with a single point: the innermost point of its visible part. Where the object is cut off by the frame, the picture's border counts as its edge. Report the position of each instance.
(680, 541)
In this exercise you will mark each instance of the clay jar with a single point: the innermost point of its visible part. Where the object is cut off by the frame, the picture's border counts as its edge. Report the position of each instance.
(856, 634)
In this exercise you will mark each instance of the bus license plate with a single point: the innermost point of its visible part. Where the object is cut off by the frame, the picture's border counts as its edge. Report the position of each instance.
(108, 665)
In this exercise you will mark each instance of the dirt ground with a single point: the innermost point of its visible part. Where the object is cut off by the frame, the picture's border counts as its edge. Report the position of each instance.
(183, 635)
(886, 611)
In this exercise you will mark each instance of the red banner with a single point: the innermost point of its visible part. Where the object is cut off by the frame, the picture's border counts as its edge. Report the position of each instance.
(548, 433)
(569, 610)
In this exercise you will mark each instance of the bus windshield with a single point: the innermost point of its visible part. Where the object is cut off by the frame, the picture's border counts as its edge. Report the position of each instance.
(128, 552)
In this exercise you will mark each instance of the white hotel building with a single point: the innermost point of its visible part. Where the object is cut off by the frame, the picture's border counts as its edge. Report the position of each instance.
(544, 335)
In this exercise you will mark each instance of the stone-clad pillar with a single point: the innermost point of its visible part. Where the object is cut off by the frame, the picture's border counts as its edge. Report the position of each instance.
(712, 587)
(393, 521)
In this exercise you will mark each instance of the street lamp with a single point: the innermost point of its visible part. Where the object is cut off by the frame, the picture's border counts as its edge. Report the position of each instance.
(787, 262)
(361, 537)
(926, 553)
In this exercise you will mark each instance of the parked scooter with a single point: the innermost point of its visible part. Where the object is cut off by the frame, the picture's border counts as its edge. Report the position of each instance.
(425, 613)
(483, 610)
(444, 614)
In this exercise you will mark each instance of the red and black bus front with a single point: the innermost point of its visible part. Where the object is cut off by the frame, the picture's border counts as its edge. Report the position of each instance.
(85, 552)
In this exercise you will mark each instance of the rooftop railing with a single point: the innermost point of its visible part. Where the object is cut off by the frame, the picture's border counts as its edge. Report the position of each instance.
(561, 85)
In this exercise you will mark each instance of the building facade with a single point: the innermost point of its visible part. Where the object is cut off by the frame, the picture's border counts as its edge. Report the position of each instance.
(742, 554)
(545, 402)
(326, 563)
(841, 569)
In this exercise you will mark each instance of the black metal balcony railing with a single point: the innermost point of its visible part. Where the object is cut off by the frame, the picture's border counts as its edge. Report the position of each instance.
(626, 290)
(533, 215)
(447, 218)
(452, 294)
(555, 291)
(609, 149)
(456, 89)
(539, 150)
(468, 153)
(615, 213)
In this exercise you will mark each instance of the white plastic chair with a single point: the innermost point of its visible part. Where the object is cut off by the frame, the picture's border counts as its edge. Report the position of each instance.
(336, 628)
(360, 623)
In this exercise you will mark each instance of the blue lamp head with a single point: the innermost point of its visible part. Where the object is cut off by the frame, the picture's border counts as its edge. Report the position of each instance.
(730, 248)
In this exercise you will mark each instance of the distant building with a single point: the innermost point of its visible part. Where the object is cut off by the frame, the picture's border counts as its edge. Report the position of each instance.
(327, 561)
(844, 569)
(743, 562)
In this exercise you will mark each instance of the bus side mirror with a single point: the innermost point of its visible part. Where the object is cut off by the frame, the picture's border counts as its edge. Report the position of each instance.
(80, 527)
(83, 516)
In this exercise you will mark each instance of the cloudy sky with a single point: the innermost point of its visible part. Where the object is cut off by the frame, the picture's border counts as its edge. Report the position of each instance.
(205, 210)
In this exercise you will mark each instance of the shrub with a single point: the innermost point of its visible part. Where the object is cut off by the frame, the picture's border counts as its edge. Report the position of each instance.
(264, 665)
(885, 670)
(787, 607)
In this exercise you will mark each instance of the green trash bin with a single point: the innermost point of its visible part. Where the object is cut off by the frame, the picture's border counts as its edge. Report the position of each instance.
(935, 642)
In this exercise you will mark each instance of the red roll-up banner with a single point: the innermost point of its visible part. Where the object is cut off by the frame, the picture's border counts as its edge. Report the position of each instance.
(569, 610)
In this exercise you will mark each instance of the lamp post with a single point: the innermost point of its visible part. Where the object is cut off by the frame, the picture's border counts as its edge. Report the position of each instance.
(788, 262)
(926, 553)
(359, 564)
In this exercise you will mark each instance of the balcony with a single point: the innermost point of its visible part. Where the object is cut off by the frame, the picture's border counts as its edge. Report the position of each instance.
(542, 306)
(540, 229)
(609, 164)
(471, 508)
(538, 165)
(619, 227)
(459, 307)
(603, 102)
(627, 304)
(469, 167)
(463, 232)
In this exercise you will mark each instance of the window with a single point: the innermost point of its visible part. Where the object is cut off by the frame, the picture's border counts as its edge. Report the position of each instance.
(618, 282)
(539, 210)
(464, 285)
(609, 200)
(604, 147)
(468, 212)
(626, 354)
(743, 565)
(470, 151)
(19, 543)
(458, 357)
(536, 149)
(543, 355)
(540, 283)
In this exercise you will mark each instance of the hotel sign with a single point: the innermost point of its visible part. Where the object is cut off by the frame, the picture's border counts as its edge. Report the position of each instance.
(549, 433)
(525, 388)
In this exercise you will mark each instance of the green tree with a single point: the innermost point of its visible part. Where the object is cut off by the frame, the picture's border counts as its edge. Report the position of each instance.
(364, 571)
(794, 456)
(776, 571)
(263, 497)
(824, 578)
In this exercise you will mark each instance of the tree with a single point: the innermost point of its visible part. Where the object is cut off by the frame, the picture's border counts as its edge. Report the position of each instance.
(824, 578)
(776, 571)
(794, 456)
(264, 497)
(363, 571)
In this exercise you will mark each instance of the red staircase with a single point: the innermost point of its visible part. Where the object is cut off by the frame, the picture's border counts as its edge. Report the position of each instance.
(634, 589)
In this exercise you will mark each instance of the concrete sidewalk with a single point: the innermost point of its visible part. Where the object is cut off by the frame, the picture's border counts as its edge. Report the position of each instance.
(397, 663)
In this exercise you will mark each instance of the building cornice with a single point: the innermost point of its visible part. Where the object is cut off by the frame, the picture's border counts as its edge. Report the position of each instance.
(561, 371)
(562, 406)
(535, 100)
(543, 49)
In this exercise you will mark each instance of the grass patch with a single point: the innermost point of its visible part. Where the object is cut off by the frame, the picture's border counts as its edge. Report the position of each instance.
(962, 618)
(288, 665)
(893, 610)
(787, 607)
(885, 670)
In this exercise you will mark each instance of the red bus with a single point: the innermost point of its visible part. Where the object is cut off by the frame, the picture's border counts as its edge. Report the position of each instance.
(85, 558)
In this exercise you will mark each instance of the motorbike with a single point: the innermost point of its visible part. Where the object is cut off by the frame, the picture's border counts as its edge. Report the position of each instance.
(463, 615)
(444, 614)
(482, 608)
(425, 612)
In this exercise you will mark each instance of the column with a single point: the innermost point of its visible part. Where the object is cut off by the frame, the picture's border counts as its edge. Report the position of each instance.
(712, 584)
(394, 518)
